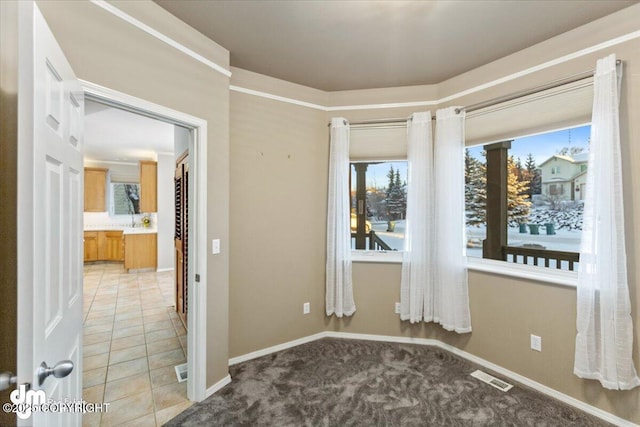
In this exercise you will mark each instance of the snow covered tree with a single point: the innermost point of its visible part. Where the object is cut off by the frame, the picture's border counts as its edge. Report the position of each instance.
(475, 190)
(396, 196)
(533, 176)
(518, 203)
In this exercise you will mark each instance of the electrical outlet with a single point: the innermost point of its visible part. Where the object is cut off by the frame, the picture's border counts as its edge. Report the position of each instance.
(397, 308)
(536, 343)
(306, 308)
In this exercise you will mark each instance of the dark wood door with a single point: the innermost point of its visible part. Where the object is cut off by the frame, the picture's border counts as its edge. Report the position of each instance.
(181, 242)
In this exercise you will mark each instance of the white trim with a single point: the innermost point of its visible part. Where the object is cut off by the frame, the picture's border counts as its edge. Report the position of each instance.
(523, 271)
(275, 348)
(604, 415)
(513, 76)
(277, 98)
(217, 386)
(544, 65)
(388, 257)
(196, 354)
(380, 106)
(163, 38)
(162, 270)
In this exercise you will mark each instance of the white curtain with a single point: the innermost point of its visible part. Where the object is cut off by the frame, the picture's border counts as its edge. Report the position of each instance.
(416, 286)
(450, 306)
(604, 340)
(434, 272)
(339, 288)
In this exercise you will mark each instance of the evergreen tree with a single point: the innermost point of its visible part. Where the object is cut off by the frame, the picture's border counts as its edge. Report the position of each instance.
(518, 203)
(533, 176)
(396, 197)
(475, 190)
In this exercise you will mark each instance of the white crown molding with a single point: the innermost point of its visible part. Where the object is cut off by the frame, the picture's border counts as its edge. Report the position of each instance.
(277, 98)
(604, 415)
(217, 386)
(163, 38)
(510, 77)
(545, 65)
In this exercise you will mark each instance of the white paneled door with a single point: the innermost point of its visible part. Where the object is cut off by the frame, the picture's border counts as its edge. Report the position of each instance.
(50, 203)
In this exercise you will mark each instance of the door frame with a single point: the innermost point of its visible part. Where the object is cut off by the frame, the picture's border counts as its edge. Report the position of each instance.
(197, 292)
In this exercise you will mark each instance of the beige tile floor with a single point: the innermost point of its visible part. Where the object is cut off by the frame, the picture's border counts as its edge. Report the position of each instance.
(133, 338)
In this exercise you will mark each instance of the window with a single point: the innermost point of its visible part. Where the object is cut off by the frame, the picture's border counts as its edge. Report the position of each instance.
(542, 211)
(125, 198)
(378, 205)
(378, 186)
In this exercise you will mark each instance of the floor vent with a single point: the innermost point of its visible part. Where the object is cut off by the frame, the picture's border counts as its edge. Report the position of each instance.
(491, 380)
(181, 372)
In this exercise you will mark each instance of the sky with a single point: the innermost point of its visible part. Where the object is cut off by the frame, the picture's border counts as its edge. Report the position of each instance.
(545, 145)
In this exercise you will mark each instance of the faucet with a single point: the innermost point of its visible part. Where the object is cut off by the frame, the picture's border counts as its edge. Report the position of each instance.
(133, 221)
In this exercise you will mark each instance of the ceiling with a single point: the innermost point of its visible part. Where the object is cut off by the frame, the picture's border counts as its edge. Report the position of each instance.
(341, 45)
(112, 134)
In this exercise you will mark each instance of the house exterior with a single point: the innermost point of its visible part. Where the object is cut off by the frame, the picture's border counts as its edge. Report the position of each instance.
(564, 176)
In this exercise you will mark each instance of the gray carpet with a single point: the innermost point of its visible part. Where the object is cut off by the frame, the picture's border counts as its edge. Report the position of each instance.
(339, 382)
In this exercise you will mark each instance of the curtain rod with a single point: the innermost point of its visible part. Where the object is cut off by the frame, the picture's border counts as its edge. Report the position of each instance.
(494, 101)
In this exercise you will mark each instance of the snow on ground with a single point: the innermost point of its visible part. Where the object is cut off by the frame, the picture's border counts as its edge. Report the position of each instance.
(567, 235)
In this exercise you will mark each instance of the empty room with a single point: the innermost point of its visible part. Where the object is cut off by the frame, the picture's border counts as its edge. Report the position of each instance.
(399, 213)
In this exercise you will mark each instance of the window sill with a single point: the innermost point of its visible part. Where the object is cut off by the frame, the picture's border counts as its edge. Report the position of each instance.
(539, 274)
(503, 268)
(388, 257)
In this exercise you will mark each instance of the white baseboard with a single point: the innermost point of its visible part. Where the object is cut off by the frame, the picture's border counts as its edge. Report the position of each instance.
(604, 415)
(279, 347)
(217, 386)
(162, 270)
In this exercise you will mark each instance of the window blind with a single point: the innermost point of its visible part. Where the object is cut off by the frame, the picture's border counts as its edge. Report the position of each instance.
(378, 143)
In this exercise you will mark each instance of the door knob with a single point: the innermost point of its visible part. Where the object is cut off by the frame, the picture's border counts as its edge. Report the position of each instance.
(60, 370)
(6, 379)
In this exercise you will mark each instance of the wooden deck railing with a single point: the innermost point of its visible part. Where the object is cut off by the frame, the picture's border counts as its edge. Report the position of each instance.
(520, 255)
(375, 242)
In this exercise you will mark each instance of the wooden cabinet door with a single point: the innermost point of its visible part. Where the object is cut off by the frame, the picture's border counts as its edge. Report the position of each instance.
(140, 251)
(95, 188)
(148, 186)
(90, 245)
(113, 250)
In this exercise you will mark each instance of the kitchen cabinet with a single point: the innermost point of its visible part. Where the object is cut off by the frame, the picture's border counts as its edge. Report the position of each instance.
(90, 246)
(148, 186)
(103, 246)
(95, 189)
(140, 251)
(110, 246)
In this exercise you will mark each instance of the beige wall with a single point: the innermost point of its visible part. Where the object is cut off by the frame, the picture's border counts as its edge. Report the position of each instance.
(106, 50)
(279, 163)
(266, 293)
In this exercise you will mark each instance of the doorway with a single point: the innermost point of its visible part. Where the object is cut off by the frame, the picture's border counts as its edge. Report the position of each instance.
(143, 303)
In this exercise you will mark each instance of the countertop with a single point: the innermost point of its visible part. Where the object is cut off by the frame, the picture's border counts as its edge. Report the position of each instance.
(125, 230)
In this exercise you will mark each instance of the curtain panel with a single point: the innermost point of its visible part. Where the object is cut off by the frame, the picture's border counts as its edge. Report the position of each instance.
(339, 285)
(450, 306)
(416, 285)
(604, 340)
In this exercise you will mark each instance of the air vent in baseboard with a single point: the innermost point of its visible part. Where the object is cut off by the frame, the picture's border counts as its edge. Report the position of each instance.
(491, 380)
(181, 372)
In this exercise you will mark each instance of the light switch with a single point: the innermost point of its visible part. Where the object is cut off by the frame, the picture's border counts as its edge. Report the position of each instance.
(215, 246)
